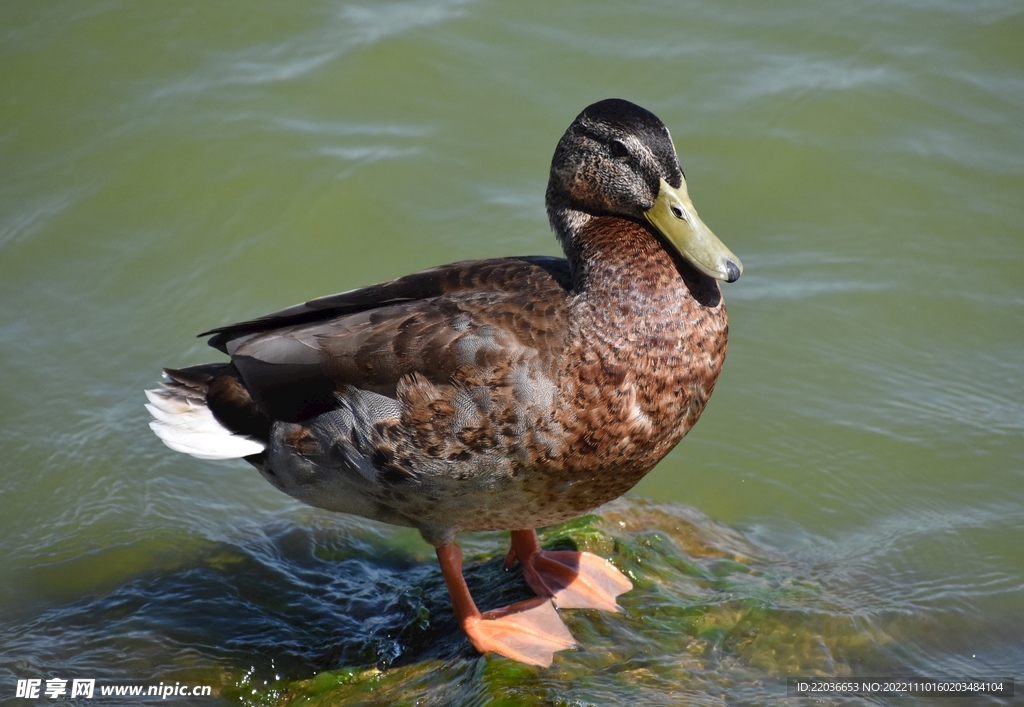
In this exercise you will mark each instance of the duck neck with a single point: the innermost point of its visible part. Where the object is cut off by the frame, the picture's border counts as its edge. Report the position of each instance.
(614, 257)
(568, 224)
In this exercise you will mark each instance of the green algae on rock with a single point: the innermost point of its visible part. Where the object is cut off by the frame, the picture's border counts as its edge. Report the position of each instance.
(712, 613)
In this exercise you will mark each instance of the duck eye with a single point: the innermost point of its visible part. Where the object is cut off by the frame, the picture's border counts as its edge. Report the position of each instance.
(619, 149)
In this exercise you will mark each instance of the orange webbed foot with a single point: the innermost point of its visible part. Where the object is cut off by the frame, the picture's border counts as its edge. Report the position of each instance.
(575, 580)
(529, 631)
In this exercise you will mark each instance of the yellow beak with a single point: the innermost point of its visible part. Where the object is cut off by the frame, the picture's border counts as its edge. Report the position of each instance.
(676, 219)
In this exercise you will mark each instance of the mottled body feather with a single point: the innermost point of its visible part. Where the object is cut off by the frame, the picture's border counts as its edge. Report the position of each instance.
(493, 394)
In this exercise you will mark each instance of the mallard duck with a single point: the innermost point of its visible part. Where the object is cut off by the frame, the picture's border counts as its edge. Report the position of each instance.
(503, 394)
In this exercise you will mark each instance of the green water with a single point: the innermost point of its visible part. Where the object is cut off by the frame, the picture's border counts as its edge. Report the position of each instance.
(852, 502)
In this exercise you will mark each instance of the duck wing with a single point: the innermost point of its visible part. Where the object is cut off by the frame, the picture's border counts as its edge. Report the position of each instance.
(463, 320)
(507, 274)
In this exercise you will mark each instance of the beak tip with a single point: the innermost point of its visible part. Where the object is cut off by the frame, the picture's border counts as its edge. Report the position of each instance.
(733, 271)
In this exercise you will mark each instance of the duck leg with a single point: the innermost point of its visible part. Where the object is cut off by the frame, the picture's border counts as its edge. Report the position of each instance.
(529, 631)
(576, 580)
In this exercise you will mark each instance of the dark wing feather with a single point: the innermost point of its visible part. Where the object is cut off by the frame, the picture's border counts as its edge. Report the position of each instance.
(459, 320)
(504, 273)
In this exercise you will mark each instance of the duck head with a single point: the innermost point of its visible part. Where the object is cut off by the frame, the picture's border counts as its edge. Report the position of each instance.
(617, 159)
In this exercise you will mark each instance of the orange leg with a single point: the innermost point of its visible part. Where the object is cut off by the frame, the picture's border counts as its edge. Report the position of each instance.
(529, 631)
(576, 580)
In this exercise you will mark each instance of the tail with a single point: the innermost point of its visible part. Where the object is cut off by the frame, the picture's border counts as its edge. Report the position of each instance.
(184, 421)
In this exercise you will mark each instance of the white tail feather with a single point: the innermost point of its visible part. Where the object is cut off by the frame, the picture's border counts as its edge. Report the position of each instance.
(185, 424)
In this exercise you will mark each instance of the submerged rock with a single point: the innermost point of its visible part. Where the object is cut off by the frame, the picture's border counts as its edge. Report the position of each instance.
(712, 619)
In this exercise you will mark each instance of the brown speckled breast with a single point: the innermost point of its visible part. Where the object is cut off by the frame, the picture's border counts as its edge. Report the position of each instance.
(646, 341)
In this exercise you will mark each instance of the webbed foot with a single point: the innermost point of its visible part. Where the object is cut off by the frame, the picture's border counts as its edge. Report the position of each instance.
(575, 580)
(529, 631)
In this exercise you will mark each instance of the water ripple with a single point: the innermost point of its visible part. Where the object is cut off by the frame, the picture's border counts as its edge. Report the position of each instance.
(802, 73)
(28, 219)
(352, 27)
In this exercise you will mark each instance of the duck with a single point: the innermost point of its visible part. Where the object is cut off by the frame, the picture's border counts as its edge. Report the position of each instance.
(490, 395)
